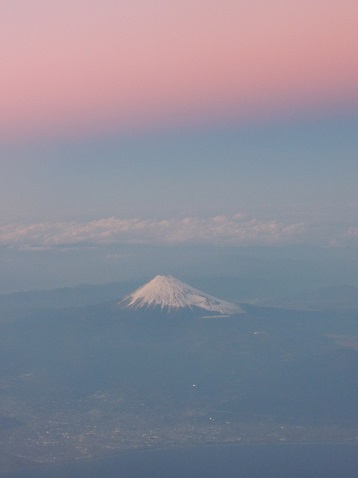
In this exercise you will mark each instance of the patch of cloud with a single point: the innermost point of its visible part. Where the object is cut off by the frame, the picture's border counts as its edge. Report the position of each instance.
(352, 232)
(350, 237)
(237, 229)
(345, 237)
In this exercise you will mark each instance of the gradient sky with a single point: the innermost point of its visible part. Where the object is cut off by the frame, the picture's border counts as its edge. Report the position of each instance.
(73, 66)
(231, 123)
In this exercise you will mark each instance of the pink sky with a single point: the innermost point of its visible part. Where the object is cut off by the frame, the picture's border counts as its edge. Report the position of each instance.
(71, 65)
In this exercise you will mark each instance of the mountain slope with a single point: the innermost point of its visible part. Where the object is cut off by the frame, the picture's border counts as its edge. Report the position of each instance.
(170, 294)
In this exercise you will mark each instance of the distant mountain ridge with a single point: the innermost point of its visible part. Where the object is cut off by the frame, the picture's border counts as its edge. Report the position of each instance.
(170, 294)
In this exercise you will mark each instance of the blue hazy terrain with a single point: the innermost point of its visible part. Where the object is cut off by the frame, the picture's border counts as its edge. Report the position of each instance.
(230, 461)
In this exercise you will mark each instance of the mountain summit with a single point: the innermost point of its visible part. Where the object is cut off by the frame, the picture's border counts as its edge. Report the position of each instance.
(170, 294)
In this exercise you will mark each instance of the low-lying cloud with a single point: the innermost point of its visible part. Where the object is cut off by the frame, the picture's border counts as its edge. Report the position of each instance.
(216, 230)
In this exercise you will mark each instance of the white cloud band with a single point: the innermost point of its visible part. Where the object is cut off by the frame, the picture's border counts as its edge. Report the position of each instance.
(216, 230)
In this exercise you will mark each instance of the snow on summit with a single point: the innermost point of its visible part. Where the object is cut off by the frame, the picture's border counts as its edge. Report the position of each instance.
(169, 293)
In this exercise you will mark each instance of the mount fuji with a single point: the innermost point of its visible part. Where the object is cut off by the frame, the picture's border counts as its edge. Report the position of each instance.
(168, 294)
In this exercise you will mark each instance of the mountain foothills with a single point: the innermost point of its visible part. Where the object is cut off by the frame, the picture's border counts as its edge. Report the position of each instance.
(169, 365)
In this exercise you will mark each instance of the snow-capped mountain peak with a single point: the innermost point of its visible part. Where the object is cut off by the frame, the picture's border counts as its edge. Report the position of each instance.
(166, 292)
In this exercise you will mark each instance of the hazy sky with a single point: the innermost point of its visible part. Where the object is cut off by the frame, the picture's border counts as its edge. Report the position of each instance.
(178, 123)
(72, 66)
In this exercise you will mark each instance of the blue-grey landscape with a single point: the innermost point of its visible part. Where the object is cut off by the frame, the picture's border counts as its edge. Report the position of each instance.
(178, 239)
(169, 367)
